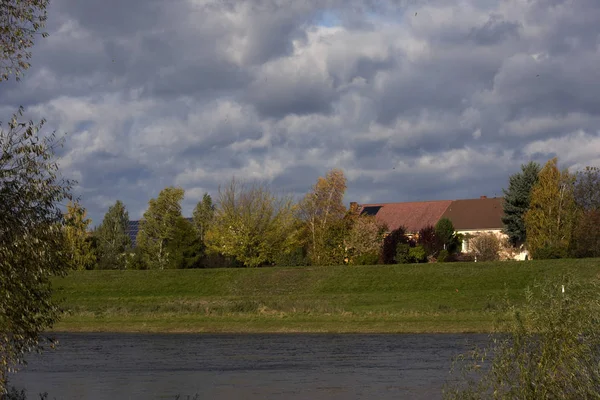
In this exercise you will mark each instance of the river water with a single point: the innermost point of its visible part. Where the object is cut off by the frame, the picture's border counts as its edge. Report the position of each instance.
(286, 366)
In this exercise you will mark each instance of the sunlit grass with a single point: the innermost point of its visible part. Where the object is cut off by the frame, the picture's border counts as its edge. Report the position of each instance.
(456, 297)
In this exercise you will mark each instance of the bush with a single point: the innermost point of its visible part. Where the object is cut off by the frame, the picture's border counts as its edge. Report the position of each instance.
(402, 253)
(430, 242)
(366, 259)
(549, 253)
(444, 256)
(295, 258)
(548, 349)
(486, 247)
(417, 254)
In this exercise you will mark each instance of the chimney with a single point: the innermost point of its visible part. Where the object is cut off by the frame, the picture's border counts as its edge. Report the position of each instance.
(483, 197)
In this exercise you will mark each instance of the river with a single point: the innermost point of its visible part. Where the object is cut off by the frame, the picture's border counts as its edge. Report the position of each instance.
(286, 366)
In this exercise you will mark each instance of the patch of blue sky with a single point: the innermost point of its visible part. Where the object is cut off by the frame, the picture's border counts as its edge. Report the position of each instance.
(328, 18)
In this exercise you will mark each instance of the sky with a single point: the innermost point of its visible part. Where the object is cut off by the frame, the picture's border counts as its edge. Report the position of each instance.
(413, 100)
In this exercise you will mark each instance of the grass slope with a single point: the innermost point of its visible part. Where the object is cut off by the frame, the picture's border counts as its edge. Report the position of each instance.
(457, 297)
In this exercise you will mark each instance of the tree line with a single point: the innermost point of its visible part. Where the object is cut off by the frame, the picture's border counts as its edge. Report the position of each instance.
(551, 213)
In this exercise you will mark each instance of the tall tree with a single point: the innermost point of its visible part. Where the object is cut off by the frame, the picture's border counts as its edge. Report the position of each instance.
(552, 212)
(444, 230)
(185, 248)
(78, 245)
(31, 238)
(587, 189)
(321, 209)
(516, 201)
(251, 224)
(158, 225)
(112, 238)
(20, 22)
(203, 215)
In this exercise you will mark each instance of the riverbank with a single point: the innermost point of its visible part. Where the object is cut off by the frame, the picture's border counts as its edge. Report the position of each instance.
(423, 298)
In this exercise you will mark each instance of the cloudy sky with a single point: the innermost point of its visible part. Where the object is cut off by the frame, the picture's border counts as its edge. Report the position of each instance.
(414, 100)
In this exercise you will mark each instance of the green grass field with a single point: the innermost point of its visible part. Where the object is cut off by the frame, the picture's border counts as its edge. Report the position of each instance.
(453, 297)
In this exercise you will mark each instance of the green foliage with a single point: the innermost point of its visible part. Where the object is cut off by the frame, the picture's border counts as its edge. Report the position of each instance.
(402, 253)
(444, 231)
(251, 224)
(549, 349)
(389, 250)
(366, 259)
(185, 248)
(135, 259)
(20, 22)
(295, 258)
(331, 242)
(203, 215)
(31, 238)
(158, 226)
(516, 201)
(112, 238)
(77, 243)
(549, 252)
(444, 256)
(417, 254)
(485, 247)
(552, 212)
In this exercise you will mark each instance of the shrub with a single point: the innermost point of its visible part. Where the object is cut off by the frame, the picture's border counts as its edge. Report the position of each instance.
(549, 253)
(294, 258)
(402, 253)
(366, 259)
(444, 256)
(417, 254)
(486, 247)
(548, 349)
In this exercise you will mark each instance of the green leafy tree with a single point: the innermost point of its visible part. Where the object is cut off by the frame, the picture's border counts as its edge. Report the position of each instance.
(78, 245)
(157, 228)
(516, 201)
(112, 239)
(552, 212)
(251, 224)
(20, 23)
(444, 230)
(322, 210)
(203, 215)
(31, 238)
(185, 247)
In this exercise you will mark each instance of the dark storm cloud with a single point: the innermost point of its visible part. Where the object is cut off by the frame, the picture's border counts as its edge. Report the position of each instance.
(412, 99)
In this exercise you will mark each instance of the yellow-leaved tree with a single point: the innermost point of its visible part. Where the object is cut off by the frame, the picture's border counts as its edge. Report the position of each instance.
(322, 211)
(552, 213)
(78, 245)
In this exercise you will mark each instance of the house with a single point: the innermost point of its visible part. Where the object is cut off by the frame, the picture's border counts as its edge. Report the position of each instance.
(474, 216)
(413, 216)
(469, 216)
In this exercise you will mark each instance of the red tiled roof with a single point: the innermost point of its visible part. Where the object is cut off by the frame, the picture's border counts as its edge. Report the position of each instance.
(475, 214)
(413, 215)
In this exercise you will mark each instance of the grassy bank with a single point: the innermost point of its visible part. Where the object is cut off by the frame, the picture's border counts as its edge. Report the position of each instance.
(457, 297)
